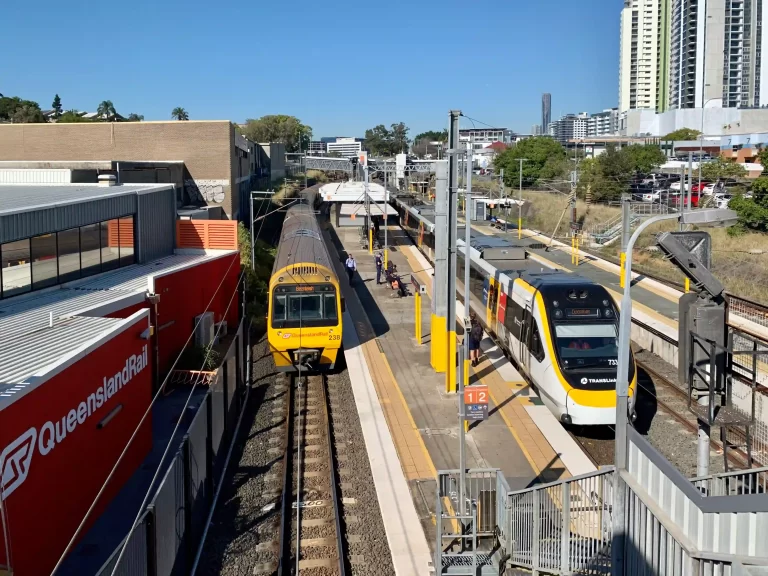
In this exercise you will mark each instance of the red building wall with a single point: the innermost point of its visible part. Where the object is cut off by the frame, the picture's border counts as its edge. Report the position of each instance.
(66, 472)
(186, 294)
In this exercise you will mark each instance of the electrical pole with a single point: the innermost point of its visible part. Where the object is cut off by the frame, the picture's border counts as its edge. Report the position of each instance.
(464, 366)
(453, 189)
(369, 230)
(386, 216)
(438, 356)
(520, 202)
(501, 183)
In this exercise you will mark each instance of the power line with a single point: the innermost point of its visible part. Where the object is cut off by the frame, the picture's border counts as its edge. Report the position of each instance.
(138, 427)
(173, 434)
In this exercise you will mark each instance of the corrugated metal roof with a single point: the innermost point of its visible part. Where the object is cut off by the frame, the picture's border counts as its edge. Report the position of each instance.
(22, 198)
(25, 314)
(33, 351)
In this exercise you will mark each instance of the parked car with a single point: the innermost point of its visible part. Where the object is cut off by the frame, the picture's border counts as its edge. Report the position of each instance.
(676, 185)
(699, 186)
(724, 183)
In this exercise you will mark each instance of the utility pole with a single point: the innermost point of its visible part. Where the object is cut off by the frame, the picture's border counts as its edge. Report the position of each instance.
(501, 183)
(681, 203)
(626, 225)
(464, 366)
(368, 229)
(520, 202)
(453, 190)
(386, 216)
(438, 356)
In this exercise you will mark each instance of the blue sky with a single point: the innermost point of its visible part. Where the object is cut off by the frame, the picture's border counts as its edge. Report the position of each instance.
(341, 67)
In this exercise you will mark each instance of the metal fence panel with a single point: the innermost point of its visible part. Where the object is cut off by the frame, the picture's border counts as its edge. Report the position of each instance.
(199, 495)
(134, 560)
(217, 406)
(230, 373)
(170, 520)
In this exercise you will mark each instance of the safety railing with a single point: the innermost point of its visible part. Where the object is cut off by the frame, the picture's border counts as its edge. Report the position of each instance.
(752, 481)
(563, 527)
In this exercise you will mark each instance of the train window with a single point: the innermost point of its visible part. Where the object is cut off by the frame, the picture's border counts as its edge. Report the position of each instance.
(329, 307)
(587, 345)
(537, 350)
(278, 308)
(304, 307)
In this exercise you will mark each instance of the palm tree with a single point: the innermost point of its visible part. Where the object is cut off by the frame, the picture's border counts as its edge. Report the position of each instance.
(106, 110)
(179, 113)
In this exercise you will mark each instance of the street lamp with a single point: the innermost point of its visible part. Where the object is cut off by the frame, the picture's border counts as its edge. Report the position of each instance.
(701, 137)
(705, 217)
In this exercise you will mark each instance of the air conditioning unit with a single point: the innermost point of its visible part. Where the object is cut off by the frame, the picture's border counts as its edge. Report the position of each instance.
(204, 330)
(219, 330)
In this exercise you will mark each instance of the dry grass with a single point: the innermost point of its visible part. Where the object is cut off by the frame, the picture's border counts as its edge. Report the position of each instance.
(742, 274)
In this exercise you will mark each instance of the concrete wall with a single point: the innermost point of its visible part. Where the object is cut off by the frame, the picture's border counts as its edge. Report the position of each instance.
(207, 149)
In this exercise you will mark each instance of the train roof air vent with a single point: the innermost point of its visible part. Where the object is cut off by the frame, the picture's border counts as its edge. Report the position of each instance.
(302, 232)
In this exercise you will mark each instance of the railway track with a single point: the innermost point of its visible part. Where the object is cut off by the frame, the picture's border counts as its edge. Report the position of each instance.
(312, 532)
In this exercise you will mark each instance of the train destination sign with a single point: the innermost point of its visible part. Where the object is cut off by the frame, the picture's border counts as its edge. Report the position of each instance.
(582, 312)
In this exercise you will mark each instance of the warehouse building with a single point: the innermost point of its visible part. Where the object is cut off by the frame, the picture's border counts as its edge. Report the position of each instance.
(101, 289)
(217, 165)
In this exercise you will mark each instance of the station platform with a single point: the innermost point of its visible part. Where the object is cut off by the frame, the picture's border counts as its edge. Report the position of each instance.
(412, 422)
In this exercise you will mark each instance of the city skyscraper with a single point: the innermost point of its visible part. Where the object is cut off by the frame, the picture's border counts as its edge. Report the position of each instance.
(640, 60)
(546, 111)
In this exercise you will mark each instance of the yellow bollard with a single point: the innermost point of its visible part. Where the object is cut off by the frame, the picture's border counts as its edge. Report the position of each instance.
(450, 370)
(370, 240)
(385, 258)
(519, 227)
(687, 284)
(418, 318)
(622, 265)
(572, 248)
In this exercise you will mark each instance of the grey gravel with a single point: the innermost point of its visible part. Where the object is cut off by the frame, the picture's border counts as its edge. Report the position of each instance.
(242, 539)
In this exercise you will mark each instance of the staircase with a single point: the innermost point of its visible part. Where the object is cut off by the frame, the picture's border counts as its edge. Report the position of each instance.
(606, 233)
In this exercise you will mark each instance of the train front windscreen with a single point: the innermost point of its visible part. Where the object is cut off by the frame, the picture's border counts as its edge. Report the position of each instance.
(587, 345)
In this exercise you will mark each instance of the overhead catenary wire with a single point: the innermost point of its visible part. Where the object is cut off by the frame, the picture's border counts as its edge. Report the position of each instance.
(157, 395)
(171, 438)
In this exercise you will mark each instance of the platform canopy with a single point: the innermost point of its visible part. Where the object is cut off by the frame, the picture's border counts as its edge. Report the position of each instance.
(353, 192)
(359, 210)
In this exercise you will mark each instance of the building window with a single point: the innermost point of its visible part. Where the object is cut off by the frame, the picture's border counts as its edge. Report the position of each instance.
(90, 249)
(127, 251)
(44, 262)
(16, 272)
(69, 254)
(60, 257)
(110, 244)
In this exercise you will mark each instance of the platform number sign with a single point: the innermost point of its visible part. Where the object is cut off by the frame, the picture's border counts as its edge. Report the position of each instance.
(476, 403)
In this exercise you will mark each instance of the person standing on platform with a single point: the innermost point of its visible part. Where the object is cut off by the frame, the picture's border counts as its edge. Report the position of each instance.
(475, 336)
(379, 264)
(351, 267)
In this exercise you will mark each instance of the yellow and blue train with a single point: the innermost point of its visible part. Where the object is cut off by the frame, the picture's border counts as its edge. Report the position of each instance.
(304, 322)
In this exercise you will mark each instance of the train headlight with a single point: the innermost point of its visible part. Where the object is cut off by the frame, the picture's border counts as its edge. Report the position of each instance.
(558, 314)
(280, 279)
(555, 303)
(605, 302)
(608, 313)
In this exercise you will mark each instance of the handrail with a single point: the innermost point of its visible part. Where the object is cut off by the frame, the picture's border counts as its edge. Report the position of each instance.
(598, 472)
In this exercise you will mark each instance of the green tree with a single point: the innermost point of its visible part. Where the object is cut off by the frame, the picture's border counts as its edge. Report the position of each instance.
(27, 114)
(720, 168)
(400, 140)
(279, 128)
(753, 212)
(56, 105)
(432, 136)
(762, 157)
(9, 105)
(133, 117)
(179, 113)
(683, 134)
(538, 152)
(106, 110)
(616, 170)
(644, 158)
(72, 116)
(377, 140)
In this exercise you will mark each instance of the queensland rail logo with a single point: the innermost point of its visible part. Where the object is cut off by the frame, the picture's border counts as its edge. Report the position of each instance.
(16, 458)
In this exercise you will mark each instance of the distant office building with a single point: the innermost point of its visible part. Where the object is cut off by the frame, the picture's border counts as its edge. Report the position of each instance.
(546, 111)
(536, 130)
(482, 137)
(317, 147)
(346, 147)
(584, 125)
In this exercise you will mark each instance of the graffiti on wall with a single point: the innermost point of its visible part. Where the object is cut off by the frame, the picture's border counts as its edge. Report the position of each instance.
(206, 190)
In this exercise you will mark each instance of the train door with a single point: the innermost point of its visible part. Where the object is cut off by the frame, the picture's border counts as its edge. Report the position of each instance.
(525, 334)
(490, 309)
